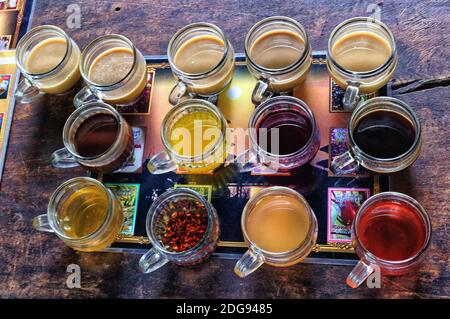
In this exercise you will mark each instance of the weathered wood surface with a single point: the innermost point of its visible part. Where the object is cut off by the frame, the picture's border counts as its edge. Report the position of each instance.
(34, 264)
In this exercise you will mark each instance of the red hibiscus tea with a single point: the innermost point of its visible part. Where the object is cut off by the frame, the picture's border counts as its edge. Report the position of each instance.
(391, 233)
(391, 230)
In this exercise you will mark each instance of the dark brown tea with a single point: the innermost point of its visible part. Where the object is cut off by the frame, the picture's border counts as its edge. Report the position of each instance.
(294, 132)
(384, 134)
(96, 135)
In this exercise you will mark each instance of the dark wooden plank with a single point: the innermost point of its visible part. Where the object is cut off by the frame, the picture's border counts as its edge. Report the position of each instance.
(34, 264)
(421, 29)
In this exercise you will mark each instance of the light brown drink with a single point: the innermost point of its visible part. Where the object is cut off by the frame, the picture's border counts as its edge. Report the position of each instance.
(278, 223)
(112, 66)
(202, 54)
(46, 56)
(362, 51)
(279, 49)
(199, 54)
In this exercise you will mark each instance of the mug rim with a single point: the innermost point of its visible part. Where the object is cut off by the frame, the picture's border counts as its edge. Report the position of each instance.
(75, 114)
(183, 30)
(92, 45)
(418, 210)
(269, 103)
(51, 211)
(35, 31)
(382, 100)
(167, 196)
(277, 190)
(186, 104)
(285, 69)
(363, 74)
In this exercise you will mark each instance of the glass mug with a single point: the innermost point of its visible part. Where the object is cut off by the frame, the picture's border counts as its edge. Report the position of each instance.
(201, 59)
(114, 70)
(279, 227)
(384, 136)
(84, 214)
(278, 56)
(283, 134)
(391, 232)
(48, 58)
(160, 211)
(95, 137)
(361, 57)
(194, 137)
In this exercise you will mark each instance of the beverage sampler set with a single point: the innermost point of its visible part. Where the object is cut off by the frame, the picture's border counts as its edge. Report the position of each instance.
(238, 139)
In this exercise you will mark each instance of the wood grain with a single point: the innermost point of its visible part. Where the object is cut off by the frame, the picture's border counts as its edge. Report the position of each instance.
(34, 264)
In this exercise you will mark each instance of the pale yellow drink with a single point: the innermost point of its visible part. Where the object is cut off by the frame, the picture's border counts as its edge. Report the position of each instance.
(278, 223)
(48, 55)
(84, 212)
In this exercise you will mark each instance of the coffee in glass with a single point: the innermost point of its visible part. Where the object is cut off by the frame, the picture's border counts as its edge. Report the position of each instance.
(361, 57)
(48, 58)
(96, 137)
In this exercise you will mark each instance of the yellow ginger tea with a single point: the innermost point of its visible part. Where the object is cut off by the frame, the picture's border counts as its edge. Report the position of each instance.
(195, 134)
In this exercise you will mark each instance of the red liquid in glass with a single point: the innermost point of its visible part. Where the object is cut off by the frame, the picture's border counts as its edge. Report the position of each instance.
(391, 231)
(294, 131)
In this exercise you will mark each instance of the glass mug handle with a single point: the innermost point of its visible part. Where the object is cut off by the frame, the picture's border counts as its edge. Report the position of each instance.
(151, 261)
(359, 274)
(41, 223)
(83, 96)
(344, 163)
(248, 263)
(351, 96)
(161, 163)
(248, 161)
(261, 91)
(26, 91)
(62, 158)
(177, 92)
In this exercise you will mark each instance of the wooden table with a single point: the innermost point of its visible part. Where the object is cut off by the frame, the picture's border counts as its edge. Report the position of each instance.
(34, 264)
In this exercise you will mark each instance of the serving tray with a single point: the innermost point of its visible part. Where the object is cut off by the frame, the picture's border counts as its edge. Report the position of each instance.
(334, 199)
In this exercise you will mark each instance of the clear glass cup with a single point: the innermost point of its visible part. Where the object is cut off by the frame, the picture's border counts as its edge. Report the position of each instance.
(356, 83)
(255, 257)
(112, 159)
(284, 110)
(122, 92)
(209, 159)
(159, 255)
(64, 73)
(368, 260)
(281, 80)
(209, 83)
(64, 215)
(349, 161)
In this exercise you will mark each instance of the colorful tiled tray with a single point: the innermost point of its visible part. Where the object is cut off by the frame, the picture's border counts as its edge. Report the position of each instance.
(334, 199)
